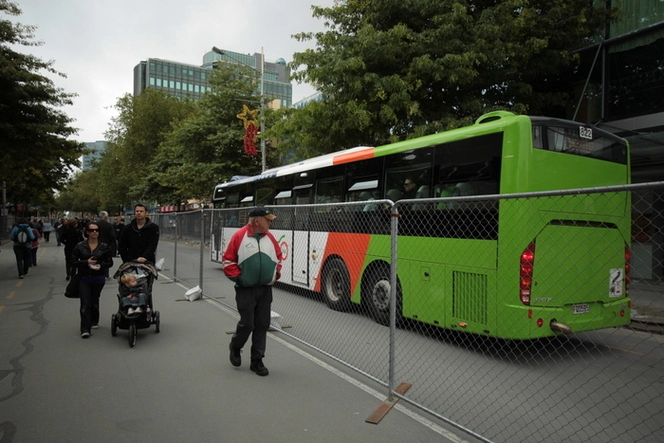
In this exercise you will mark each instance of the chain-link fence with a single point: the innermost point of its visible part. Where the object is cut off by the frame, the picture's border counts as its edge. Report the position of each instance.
(471, 301)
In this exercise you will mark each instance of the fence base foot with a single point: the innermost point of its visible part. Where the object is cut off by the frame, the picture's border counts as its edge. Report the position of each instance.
(385, 407)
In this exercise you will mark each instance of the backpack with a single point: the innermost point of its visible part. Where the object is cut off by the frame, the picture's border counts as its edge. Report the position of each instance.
(23, 236)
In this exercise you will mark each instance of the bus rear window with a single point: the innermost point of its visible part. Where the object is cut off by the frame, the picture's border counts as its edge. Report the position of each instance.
(581, 141)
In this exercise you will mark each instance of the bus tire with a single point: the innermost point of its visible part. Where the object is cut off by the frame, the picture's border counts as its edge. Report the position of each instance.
(379, 296)
(336, 285)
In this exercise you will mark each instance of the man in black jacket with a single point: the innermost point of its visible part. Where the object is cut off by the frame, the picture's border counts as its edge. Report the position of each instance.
(139, 239)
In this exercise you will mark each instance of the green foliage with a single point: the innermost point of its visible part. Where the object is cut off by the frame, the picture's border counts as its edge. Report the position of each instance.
(82, 194)
(134, 136)
(35, 153)
(207, 148)
(394, 69)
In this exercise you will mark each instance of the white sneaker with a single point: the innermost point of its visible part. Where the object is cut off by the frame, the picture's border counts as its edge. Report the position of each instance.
(138, 310)
(130, 311)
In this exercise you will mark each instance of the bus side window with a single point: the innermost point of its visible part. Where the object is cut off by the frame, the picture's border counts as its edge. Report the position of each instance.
(329, 190)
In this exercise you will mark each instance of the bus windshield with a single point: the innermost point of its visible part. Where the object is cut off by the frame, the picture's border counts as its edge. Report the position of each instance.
(579, 140)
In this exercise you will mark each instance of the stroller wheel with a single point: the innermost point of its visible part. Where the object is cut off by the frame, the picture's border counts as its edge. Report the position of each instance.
(132, 335)
(156, 321)
(114, 325)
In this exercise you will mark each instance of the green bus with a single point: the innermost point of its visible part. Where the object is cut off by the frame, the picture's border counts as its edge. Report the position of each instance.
(477, 250)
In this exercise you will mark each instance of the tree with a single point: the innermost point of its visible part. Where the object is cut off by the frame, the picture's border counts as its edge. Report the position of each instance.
(207, 148)
(394, 69)
(134, 136)
(35, 153)
(81, 194)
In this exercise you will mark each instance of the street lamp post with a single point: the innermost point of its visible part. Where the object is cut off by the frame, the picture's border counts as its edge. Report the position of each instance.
(262, 98)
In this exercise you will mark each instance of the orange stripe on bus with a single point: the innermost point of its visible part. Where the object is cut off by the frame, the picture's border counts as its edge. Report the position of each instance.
(353, 249)
(353, 156)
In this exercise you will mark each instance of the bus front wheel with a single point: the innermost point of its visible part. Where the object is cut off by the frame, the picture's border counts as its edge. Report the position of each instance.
(336, 285)
(379, 297)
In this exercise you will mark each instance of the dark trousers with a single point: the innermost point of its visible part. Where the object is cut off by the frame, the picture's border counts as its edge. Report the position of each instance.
(90, 293)
(69, 265)
(23, 259)
(254, 306)
(33, 254)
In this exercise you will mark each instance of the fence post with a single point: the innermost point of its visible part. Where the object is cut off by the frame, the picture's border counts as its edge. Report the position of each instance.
(175, 247)
(200, 272)
(394, 227)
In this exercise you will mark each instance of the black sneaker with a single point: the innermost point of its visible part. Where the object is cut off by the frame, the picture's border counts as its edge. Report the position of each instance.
(236, 358)
(259, 368)
(85, 334)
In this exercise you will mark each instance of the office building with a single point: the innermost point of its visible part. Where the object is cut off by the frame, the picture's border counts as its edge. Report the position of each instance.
(97, 149)
(619, 88)
(185, 80)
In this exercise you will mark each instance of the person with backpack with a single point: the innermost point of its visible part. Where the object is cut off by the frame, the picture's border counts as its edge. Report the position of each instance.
(22, 236)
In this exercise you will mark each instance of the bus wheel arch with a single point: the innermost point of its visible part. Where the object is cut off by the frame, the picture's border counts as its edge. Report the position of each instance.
(376, 288)
(335, 285)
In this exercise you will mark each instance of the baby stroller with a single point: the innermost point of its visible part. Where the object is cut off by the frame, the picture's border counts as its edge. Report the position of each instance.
(145, 274)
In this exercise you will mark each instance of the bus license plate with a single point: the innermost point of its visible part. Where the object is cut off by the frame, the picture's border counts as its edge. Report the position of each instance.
(581, 308)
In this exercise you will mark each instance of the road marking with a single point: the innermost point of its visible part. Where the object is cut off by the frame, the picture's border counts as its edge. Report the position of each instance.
(11, 294)
(2, 308)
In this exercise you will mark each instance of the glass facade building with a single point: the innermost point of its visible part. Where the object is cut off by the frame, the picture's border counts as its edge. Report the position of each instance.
(185, 80)
(97, 149)
(619, 87)
(178, 79)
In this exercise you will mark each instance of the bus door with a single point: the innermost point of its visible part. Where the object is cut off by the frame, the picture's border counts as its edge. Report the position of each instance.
(301, 233)
(301, 257)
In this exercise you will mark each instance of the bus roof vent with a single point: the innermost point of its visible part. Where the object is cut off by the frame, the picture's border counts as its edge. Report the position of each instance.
(493, 116)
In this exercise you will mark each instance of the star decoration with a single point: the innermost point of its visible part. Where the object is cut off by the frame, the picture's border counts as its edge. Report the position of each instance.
(248, 116)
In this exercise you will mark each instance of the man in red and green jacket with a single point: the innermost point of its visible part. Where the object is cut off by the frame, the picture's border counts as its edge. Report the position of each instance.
(253, 261)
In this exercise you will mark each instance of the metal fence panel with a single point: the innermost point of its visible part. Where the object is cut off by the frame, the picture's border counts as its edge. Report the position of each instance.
(593, 385)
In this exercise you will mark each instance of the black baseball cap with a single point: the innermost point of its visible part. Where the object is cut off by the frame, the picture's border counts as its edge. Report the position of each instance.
(260, 211)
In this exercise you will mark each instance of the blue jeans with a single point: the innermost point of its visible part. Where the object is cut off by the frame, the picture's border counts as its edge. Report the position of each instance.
(254, 306)
(90, 293)
(23, 259)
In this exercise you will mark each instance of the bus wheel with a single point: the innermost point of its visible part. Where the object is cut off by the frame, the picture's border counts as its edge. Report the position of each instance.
(336, 285)
(379, 297)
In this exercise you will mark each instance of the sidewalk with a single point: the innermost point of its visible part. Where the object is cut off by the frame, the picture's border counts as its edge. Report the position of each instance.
(59, 387)
(647, 306)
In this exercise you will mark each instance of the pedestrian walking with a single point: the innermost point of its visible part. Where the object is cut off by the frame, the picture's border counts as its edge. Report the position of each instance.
(34, 246)
(58, 226)
(48, 228)
(253, 261)
(70, 237)
(107, 235)
(118, 226)
(139, 239)
(22, 236)
(92, 258)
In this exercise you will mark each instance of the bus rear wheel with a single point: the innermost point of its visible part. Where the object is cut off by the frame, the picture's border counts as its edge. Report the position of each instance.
(336, 285)
(379, 297)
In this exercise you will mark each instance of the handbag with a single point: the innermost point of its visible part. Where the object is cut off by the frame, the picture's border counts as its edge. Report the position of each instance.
(72, 288)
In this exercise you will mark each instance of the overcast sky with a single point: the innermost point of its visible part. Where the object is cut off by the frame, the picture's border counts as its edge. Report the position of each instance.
(97, 43)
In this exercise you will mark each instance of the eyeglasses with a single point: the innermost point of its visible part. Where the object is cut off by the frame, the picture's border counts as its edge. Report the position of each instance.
(92, 230)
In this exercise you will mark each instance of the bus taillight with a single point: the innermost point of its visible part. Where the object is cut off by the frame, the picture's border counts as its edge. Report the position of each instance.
(526, 273)
(628, 269)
